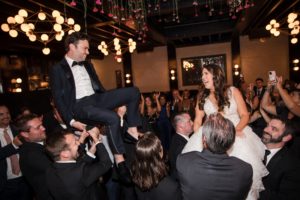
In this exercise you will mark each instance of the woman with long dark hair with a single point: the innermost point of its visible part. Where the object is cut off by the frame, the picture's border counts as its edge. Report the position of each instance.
(150, 172)
(216, 96)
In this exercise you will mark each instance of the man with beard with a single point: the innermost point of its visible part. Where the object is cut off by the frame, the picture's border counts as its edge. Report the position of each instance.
(283, 179)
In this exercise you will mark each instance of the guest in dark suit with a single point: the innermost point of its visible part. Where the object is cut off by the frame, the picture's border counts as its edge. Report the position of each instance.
(81, 99)
(183, 126)
(33, 159)
(149, 171)
(259, 88)
(212, 174)
(52, 120)
(283, 180)
(71, 179)
(12, 183)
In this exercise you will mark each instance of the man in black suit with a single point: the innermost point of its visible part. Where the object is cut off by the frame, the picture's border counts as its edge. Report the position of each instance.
(81, 99)
(12, 183)
(259, 88)
(283, 180)
(33, 159)
(212, 174)
(183, 126)
(71, 179)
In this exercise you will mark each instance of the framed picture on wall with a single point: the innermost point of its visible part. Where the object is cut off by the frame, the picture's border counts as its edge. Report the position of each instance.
(191, 67)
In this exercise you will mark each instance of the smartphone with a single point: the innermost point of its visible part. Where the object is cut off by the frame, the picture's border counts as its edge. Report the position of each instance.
(272, 76)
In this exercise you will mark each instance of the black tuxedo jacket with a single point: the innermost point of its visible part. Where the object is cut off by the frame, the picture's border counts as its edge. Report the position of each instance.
(204, 175)
(63, 87)
(283, 180)
(177, 144)
(33, 163)
(6, 151)
(78, 181)
(261, 94)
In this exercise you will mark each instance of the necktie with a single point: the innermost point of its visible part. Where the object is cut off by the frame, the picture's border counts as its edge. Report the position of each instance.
(258, 93)
(81, 63)
(13, 158)
(267, 152)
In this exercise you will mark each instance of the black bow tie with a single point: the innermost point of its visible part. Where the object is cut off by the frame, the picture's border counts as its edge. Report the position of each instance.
(81, 63)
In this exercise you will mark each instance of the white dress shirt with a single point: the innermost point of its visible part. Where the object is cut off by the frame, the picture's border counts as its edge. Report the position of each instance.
(9, 173)
(83, 84)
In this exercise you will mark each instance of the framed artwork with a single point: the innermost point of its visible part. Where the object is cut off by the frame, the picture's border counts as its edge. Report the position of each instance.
(191, 67)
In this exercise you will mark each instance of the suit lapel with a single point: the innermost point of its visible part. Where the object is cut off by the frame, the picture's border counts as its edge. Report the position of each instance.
(276, 158)
(65, 66)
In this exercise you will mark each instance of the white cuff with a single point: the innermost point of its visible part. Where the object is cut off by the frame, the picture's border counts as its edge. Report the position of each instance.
(91, 154)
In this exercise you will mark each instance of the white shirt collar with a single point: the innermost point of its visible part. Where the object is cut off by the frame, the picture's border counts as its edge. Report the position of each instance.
(66, 161)
(69, 60)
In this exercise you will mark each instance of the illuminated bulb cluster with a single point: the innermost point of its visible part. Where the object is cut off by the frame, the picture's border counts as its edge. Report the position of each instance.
(104, 48)
(172, 72)
(294, 26)
(273, 27)
(131, 45)
(128, 78)
(22, 23)
(296, 67)
(118, 50)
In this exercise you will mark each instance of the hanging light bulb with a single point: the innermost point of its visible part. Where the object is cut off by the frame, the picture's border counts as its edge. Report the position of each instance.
(13, 33)
(268, 27)
(70, 32)
(44, 37)
(55, 13)
(42, 16)
(276, 33)
(296, 68)
(19, 19)
(24, 28)
(71, 21)
(23, 13)
(60, 20)
(57, 27)
(77, 27)
(46, 51)
(5, 27)
(32, 37)
(294, 40)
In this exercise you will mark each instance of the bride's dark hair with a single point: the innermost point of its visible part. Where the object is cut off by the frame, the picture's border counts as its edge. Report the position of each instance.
(221, 92)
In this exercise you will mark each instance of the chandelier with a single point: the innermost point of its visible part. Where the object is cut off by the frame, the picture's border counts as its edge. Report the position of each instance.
(116, 46)
(293, 25)
(40, 26)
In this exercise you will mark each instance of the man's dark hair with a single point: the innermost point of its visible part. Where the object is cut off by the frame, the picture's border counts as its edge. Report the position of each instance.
(219, 133)
(56, 143)
(74, 39)
(288, 127)
(259, 79)
(21, 123)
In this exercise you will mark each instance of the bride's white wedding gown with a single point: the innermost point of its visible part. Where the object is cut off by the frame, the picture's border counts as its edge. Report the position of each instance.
(248, 147)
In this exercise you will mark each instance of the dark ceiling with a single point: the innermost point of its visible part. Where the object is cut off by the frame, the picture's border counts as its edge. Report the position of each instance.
(174, 22)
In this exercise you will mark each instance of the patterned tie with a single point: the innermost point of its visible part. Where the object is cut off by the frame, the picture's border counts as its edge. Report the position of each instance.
(13, 158)
(267, 152)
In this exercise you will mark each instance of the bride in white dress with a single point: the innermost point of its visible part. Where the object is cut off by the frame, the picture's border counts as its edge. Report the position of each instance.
(216, 97)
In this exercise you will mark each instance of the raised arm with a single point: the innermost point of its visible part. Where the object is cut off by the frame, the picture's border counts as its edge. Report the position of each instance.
(242, 110)
(266, 101)
(289, 103)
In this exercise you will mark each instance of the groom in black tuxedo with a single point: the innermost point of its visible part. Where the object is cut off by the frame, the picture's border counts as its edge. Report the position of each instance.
(81, 99)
